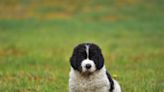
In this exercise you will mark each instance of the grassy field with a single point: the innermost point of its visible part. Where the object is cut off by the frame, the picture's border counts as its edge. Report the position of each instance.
(37, 38)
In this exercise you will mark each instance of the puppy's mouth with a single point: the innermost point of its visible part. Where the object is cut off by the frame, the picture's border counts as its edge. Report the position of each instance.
(87, 73)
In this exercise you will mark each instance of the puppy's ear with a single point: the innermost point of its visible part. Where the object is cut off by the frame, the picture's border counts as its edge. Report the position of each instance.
(73, 62)
(100, 62)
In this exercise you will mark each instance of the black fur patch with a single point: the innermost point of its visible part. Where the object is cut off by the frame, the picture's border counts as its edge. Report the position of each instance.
(96, 55)
(110, 81)
(79, 54)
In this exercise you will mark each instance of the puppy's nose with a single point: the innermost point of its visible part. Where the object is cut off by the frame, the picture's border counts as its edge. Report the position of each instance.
(88, 66)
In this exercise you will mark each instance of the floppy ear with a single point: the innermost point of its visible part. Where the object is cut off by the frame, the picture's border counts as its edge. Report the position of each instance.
(73, 62)
(100, 62)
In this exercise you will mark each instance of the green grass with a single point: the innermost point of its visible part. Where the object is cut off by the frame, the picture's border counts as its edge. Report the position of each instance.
(34, 52)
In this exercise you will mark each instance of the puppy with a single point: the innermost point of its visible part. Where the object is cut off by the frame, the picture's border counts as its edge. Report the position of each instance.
(88, 72)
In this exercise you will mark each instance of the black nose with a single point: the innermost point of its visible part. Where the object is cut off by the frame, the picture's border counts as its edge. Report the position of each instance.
(88, 66)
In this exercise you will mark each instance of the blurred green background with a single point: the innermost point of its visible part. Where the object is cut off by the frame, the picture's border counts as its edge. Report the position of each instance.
(37, 38)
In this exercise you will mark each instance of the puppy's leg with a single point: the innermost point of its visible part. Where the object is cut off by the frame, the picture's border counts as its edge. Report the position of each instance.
(117, 87)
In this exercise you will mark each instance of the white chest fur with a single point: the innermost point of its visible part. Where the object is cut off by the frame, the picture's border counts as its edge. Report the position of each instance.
(97, 82)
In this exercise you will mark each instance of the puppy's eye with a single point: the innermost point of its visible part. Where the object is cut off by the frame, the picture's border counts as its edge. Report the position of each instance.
(92, 54)
(81, 52)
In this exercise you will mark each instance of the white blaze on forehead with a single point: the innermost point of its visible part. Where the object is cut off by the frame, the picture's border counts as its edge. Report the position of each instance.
(87, 50)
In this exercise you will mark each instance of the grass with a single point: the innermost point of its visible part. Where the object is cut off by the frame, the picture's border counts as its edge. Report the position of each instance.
(35, 48)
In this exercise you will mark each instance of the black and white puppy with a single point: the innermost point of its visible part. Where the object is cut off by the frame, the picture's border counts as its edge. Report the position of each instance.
(88, 72)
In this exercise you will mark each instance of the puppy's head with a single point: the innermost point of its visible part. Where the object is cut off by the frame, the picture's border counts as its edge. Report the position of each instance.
(87, 58)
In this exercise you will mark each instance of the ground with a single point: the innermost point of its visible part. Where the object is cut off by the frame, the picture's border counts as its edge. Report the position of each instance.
(37, 39)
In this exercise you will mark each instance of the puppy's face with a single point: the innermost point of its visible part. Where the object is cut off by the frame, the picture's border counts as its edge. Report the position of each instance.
(87, 58)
